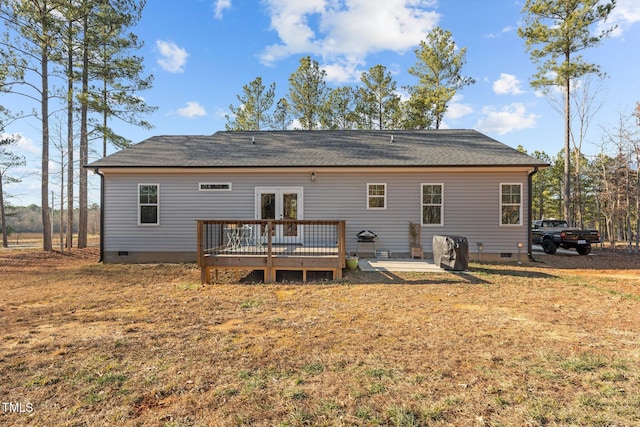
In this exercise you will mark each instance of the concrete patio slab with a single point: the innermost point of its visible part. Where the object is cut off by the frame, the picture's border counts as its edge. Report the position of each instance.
(399, 265)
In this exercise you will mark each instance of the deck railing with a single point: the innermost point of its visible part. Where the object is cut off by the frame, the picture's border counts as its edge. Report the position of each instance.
(256, 243)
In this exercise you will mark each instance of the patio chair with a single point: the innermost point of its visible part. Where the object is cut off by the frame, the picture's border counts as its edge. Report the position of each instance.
(254, 238)
(234, 237)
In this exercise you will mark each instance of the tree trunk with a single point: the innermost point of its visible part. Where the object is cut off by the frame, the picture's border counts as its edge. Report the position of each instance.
(70, 141)
(637, 202)
(84, 141)
(578, 191)
(47, 243)
(105, 117)
(3, 223)
(567, 149)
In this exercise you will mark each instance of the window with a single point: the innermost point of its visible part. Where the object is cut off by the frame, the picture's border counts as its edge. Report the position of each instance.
(148, 204)
(432, 204)
(376, 196)
(214, 186)
(510, 204)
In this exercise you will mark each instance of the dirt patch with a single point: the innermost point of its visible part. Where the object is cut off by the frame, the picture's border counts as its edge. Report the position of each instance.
(547, 343)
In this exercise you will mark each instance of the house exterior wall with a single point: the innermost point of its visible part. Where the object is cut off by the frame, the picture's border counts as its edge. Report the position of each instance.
(471, 208)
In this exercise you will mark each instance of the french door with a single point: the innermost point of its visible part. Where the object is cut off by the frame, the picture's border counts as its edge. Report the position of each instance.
(281, 203)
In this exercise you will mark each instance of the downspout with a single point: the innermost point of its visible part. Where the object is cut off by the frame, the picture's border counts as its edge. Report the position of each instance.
(529, 214)
(97, 172)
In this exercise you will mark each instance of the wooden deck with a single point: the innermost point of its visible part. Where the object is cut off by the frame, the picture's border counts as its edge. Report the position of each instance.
(270, 246)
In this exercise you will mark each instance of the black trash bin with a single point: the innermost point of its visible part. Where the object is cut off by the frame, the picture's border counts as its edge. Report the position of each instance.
(451, 252)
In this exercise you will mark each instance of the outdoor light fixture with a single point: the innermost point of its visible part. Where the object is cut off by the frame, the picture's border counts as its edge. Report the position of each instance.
(313, 176)
(520, 245)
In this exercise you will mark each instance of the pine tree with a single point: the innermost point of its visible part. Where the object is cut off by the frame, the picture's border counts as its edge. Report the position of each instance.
(281, 115)
(307, 91)
(106, 57)
(30, 47)
(439, 70)
(555, 31)
(253, 112)
(378, 97)
(338, 112)
(118, 71)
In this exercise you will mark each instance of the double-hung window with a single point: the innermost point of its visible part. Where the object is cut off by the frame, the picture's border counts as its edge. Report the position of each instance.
(432, 204)
(510, 204)
(376, 196)
(148, 206)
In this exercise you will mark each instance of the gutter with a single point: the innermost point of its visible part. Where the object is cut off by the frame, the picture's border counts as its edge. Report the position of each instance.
(97, 172)
(529, 214)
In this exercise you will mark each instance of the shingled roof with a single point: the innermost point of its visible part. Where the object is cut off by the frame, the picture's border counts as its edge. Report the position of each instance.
(264, 149)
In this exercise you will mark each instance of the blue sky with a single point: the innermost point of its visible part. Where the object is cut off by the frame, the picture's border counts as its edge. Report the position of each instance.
(201, 53)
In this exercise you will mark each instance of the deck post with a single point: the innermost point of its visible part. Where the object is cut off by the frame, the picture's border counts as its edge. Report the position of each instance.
(204, 270)
(200, 249)
(269, 273)
(342, 244)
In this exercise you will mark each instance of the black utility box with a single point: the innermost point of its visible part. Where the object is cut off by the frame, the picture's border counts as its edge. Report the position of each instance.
(451, 252)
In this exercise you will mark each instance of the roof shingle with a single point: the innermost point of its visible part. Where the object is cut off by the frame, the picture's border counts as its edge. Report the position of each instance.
(263, 149)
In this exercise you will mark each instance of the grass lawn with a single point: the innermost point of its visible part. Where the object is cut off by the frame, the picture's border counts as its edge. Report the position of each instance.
(86, 344)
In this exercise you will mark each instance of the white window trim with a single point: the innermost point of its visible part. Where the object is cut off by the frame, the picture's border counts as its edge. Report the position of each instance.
(441, 204)
(519, 206)
(200, 184)
(157, 204)
(385, 196)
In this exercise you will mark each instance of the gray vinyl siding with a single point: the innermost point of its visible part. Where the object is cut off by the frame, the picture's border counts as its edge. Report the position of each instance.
(471, 207)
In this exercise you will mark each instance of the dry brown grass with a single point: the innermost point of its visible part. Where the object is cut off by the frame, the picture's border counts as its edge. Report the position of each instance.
(540, 344)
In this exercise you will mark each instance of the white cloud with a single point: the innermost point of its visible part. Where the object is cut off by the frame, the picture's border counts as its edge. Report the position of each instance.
(457, 109)
(505, 30)
(507, 84)
(509, 118)
(172, 57)
(344, 71)
(23, 145)
(625, 14)
(220, 113)
(345, 32)
(193, 109)
(220, 7)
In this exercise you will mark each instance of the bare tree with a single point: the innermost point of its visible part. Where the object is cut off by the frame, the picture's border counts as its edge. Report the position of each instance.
(587, 103)
(636, 150)
(616, 179)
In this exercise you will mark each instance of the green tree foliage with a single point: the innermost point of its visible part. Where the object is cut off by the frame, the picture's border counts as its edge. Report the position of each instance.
(555, 32)
(116, 69)
(542, 186)
(338, 110)
(8, 160)
(253, 112)
(417, 111)
(307, 91)
(439, 70)
(281, 115)
(378, 100)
